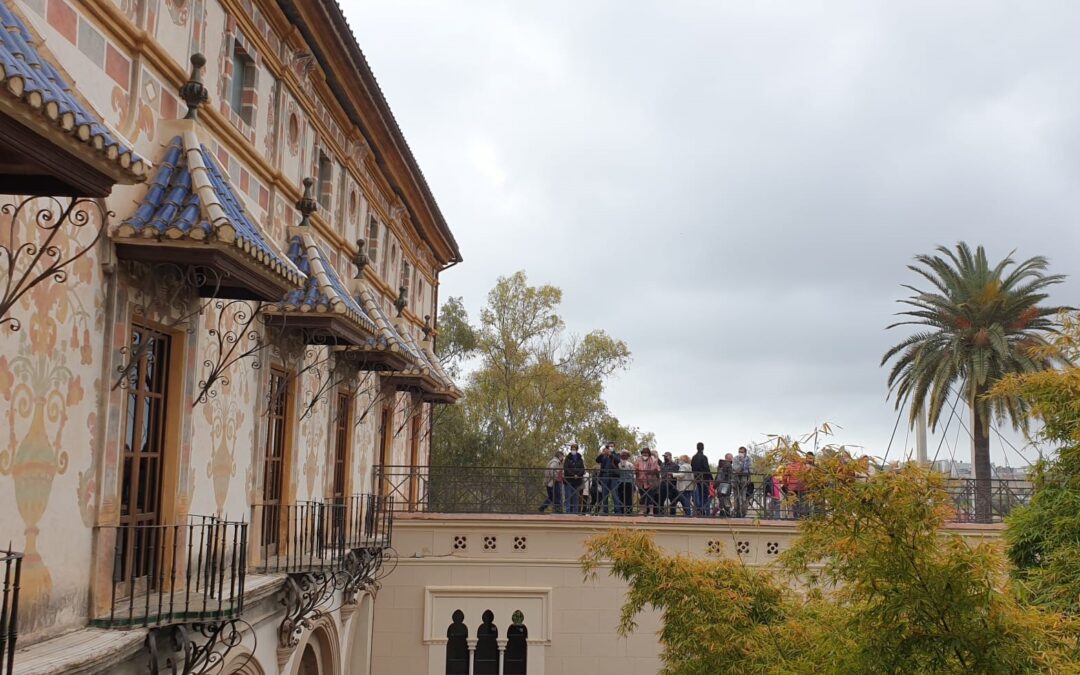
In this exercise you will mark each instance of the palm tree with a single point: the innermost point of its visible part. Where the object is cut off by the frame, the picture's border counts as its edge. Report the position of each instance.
(976, 325)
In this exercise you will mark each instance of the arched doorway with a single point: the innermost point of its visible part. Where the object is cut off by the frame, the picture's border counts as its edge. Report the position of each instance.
(321, 653)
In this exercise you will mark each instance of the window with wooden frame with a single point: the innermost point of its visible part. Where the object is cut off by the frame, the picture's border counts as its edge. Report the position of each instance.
(339, 462)
(275, 459)
(142, 467)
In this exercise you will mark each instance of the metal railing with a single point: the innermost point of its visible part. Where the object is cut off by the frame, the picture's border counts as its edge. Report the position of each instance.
(520, 490)
(371, 521)
(169, 574)
(313, 536)
(300, 537)
(9, 609)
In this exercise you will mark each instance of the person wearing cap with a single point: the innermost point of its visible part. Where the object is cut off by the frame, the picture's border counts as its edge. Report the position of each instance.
(647, 476)
(553, 483)
(668, 492)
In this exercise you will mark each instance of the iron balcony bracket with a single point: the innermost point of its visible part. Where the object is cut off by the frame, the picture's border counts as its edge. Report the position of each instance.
(194, 649)
(305, 599)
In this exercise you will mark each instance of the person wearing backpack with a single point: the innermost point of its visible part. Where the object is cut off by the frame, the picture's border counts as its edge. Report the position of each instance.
(573, 477)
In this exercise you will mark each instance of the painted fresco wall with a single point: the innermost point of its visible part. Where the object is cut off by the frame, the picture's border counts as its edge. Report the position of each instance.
(62, 410)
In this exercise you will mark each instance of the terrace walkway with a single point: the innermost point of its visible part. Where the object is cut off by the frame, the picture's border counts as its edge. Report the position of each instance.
(520, 490)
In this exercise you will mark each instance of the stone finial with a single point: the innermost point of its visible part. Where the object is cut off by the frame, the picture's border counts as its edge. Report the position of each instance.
(306, 204)
(427, 327)
(360, 259)
(193, 92)
(402, 300)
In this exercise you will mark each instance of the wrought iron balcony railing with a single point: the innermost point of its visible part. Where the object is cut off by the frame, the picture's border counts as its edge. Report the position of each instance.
(370, 522)
(316, 536)
(300, 537)
(171, 574)
(520, 490)
(9, 609)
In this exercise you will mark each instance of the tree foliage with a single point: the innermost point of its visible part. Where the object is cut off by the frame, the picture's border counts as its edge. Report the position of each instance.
(976, 324)
(1044, 537)
(534, 387)
(871, 585)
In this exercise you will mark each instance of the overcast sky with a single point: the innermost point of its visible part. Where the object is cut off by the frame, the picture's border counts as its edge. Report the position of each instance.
(735, 188)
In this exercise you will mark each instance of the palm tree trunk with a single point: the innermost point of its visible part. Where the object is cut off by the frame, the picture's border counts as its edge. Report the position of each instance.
(980, 439)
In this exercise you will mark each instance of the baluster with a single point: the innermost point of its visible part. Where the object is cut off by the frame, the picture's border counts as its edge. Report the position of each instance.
(471, 642)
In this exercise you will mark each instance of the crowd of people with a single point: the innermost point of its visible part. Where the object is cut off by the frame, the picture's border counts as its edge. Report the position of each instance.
(621, 484)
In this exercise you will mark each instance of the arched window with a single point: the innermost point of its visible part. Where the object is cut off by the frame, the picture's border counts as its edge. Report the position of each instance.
(457, 645)
(486, 660)
(517, 645)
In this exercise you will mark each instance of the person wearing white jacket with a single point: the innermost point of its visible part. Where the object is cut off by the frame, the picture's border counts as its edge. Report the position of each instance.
(684, 483)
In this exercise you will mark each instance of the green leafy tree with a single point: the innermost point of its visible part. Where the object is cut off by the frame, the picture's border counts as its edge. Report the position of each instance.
(871, 585)
(457, 339)
(533, 387)
(976, 324)
(1044, 537)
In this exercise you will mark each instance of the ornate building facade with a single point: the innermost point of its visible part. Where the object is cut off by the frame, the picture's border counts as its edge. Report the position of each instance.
(222, 268)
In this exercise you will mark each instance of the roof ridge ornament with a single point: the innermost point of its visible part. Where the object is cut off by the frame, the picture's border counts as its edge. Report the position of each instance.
(402, 300)
(427, 329)
(193, 91)
(306, 204)
(360, 259)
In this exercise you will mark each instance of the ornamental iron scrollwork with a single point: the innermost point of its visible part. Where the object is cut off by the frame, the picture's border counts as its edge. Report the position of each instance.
(305, 598)
(365, 568)
(166, 293)
(195, 649)
(237, 338)
(35, 260)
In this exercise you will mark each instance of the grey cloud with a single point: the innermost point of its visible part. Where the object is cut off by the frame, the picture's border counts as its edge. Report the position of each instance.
(735, 188)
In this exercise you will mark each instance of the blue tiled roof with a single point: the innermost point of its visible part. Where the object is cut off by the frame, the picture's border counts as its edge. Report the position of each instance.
(190, 199)
(385, 327)
(27, 75)
(323, 290)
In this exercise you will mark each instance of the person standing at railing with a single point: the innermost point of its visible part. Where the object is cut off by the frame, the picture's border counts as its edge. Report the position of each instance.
(626, 483)
(774, 496)
(702, 480)
(741, 484)
(553, 483)
(668, 491)
(684, 486)
(723, 487)
(647, 476)
(573, 479)
(608, 478)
